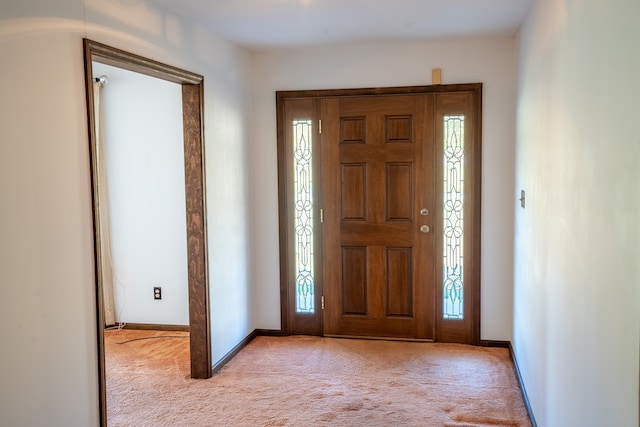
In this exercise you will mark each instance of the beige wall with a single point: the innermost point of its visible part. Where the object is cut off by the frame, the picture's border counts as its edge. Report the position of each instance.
(492, 62)
(577, 250)
(47, 315)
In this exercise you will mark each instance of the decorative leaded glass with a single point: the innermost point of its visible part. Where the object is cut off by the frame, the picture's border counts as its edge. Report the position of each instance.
(303, 215)
(453, 217)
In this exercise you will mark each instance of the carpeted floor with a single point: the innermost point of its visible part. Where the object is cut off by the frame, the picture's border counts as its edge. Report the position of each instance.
(311, 381)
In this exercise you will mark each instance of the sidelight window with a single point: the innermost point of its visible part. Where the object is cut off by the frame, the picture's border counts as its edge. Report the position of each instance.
(303, 215)
(453, 214)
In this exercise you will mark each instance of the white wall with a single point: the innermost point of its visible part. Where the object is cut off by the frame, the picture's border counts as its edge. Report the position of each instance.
(47, 302)
(577, 250)
(141, 121)
(492, 62)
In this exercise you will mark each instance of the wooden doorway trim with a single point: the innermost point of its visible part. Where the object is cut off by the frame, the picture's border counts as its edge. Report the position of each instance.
(472, 256)
(193, 125)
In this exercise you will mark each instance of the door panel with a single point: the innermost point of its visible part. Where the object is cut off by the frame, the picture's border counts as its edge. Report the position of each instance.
(399, 292)
(399, 194)
(378, 267)
(354, 280)
(354, 176)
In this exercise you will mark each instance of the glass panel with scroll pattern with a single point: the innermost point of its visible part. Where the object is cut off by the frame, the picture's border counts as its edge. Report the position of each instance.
(303, 215)
(453, 258)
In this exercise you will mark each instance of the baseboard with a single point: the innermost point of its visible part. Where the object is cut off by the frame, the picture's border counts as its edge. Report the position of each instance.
(269, 333)
(524, 391)
(235, 350)
(242, 344)
(494, 343)
(152, 327)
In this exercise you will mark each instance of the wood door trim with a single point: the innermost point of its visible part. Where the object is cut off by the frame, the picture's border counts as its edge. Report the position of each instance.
(193, 124)
(475, 89)
(477, 223)
(283, 186)
(396, 90)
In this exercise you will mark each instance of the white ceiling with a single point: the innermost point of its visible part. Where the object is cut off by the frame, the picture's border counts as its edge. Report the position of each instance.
(260, 25)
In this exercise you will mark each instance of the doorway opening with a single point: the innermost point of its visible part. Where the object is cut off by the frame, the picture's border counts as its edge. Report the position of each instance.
(141, 192)
(196, 244)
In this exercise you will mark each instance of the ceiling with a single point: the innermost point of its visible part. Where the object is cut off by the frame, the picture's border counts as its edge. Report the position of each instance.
(261, 25)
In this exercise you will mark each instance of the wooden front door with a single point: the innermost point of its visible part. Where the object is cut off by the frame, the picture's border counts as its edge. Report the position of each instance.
(378, 187)
(387, 215)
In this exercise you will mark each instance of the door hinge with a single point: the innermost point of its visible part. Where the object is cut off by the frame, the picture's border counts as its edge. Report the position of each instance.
(320, 127)
(322, 304)
(321, 215)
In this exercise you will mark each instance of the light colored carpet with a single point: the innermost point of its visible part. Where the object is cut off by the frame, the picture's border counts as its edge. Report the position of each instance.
(311, 381)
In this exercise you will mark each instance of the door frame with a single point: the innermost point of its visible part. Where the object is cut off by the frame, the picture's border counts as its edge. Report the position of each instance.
(286, 249)
(197, 257)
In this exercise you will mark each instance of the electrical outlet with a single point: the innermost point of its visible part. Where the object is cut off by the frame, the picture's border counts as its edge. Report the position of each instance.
(157, 292)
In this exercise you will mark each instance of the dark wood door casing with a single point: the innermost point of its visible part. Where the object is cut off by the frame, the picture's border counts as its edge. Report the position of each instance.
(197, 252)
(445, 99)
